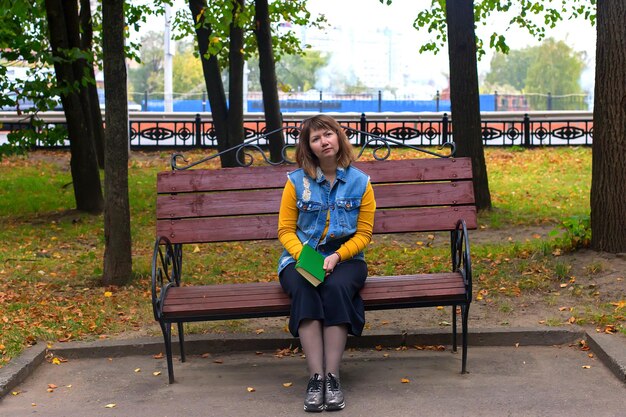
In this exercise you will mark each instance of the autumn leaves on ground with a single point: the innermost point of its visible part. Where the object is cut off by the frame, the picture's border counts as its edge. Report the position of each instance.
(51, 256)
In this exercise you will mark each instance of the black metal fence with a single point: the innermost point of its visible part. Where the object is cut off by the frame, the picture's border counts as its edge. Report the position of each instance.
(184, 130)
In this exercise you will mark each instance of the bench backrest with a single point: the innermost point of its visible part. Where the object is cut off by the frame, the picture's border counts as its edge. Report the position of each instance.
(233, 204)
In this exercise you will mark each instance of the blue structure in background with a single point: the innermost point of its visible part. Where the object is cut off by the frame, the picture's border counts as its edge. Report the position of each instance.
(487, 103)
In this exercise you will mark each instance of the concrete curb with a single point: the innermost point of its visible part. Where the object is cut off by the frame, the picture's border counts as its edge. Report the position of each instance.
(20, 368)
(610, 349)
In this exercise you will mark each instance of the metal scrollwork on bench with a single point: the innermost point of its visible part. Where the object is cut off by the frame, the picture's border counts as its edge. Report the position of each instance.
(244, 152)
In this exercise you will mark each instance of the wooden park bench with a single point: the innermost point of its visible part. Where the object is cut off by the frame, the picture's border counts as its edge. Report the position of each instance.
(241, 204)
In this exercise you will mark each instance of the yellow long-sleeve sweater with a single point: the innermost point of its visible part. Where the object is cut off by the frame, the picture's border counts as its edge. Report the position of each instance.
(288, 217)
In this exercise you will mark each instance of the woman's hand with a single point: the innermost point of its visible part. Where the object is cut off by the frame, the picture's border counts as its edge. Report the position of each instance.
(331, 261)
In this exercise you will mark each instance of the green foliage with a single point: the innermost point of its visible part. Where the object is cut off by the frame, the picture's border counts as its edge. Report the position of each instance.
(532, 16)
(576, 234)
(220, 14)
(293, 72)
(24, 43)
(510, 69)
(552, 67)
(187, 77)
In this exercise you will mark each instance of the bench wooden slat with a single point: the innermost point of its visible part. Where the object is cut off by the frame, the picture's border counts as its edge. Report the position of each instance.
(252, 178)
(203, 300)
(231, 203)
(244, 178)
(242, 228)
(410, 170)
(274, 286)
(277, 295)
(235, 203)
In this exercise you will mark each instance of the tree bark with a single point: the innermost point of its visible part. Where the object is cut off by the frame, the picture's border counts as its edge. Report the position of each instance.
(608, 176)
(63, 26)
(213, 82)
(464, 96)
(117, 251)
(93, 105)
(235, 79)
(267, 74)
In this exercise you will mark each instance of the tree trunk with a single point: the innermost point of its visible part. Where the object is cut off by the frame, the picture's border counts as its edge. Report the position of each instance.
(213, 82)
(464, 96)
(608, 179)
(235, 79)
(86, 41)
(267, 72)
(62, 19)
(117, 250)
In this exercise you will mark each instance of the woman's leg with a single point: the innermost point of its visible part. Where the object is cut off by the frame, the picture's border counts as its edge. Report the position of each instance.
(311, 339)
(335, 338)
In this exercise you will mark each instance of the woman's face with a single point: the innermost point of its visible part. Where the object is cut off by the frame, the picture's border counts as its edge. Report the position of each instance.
(324, 144)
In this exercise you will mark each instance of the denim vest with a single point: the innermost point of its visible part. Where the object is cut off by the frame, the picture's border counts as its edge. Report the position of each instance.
(315, 199)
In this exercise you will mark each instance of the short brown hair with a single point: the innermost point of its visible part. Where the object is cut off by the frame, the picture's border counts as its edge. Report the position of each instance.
(305, 157)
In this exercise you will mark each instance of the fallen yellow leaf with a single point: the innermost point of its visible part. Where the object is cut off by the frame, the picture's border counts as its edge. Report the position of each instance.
(586, 367)
(618, 305)
(158, 355)
(287, 384)
(250, 389)
(196, 249)
(138, 370)
(56, 361)
(259, 331)
(156, 373)
(15, 393)
(112, 405)
(405, 380)
(108, 294)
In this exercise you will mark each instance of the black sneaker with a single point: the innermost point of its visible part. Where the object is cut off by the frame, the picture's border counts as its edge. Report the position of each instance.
(314, 399)
(334, 396)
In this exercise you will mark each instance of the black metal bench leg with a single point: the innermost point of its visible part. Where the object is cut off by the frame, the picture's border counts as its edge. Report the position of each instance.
(464, 318)
(181, 341)
(454, 328)
(166, 328)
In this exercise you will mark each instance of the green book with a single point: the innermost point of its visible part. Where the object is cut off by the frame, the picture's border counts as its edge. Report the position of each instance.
(311, 265)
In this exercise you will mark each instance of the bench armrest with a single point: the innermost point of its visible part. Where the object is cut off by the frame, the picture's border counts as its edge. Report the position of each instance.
(461, 259)
(166, 270)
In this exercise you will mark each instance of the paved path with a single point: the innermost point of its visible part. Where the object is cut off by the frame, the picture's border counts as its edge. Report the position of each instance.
(504, 381)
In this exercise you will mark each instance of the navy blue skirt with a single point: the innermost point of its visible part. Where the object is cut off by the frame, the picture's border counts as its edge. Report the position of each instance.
(336, 301)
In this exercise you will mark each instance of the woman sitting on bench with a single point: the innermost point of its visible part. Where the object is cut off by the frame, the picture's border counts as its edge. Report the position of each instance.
(328, 204)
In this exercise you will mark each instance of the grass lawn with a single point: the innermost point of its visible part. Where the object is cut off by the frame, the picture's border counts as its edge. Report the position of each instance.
(51, 259)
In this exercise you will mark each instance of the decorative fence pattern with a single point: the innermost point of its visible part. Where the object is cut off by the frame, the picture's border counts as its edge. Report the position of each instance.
(188, 130)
